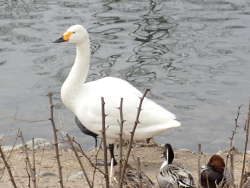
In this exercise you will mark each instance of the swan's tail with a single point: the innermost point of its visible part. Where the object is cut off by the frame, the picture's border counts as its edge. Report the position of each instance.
(154, 130)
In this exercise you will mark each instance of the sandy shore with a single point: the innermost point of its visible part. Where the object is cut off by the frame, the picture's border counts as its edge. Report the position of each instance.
(46, 166)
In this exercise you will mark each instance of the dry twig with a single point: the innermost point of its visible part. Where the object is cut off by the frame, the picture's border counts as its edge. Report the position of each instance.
(86, 156)
(199, 165)
(132, 136)
(10, 154)
(55, 140)
(27, 159)
(139, 172)
(104, 143)
(231, 147)
(245, 149)
(27, 171)
(8, 167)
(34, 162)
(121, 139)
(95, 167)
(79, 160)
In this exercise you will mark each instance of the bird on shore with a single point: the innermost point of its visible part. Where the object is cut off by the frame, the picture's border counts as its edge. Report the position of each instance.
(213, 173)
(133, 178)
(246, 180)
(84, 98)
(172, 175)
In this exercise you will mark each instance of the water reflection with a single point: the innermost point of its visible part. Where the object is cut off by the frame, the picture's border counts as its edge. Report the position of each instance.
(151, 28)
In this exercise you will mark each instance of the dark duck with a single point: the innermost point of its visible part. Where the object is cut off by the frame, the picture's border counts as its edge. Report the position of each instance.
(213, 174)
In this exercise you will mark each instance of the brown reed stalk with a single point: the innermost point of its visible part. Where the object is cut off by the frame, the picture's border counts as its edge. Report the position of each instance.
(95, 168)
(231, 169)
(79, 160)
(27, 159)
(10, 153)
(55, 139)
(8, 167)
(27, 171)
(132, 136)
(230, 153)
(106, 176)
(89, 160)
(245, 149)
(199, 165)
(86, 156)
(34, 162)
(40, 162)
(121, 139)
(139, 172)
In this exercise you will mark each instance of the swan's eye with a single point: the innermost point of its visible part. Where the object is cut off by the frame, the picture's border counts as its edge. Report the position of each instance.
(73, 32)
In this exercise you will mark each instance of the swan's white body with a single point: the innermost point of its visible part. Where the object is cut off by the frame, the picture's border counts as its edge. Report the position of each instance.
(84, 99)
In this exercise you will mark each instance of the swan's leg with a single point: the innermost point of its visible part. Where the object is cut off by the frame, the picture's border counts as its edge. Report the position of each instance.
(112, 156)
(95, 142)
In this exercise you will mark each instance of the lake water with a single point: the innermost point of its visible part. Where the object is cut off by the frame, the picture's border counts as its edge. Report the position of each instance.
(192, 54)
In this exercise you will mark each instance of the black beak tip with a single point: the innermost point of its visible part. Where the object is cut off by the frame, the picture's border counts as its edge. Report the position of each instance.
(59, 40)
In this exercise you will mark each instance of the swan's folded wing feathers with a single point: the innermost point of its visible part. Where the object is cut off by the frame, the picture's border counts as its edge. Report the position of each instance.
(153, 117)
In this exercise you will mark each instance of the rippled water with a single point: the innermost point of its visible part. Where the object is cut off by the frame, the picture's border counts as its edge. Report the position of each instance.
(192, 54)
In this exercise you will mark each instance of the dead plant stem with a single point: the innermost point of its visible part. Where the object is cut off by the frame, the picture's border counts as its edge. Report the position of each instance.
(8, 167)
(106, 176)
(55, 140)
(132, 136)
(25, 150)
(245, 149)
(79, 160)
(121, 140)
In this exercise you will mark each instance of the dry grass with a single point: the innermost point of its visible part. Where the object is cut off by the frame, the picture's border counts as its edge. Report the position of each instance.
(46, 166)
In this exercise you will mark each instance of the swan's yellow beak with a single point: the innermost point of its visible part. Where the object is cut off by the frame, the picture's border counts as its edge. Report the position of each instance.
(66, 36)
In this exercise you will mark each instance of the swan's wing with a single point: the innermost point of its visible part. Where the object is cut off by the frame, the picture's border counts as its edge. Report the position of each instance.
(153, 118)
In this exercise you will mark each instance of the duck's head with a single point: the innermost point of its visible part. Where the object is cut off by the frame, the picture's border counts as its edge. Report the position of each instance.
(168, 153)
(217, 163)
(74, 34)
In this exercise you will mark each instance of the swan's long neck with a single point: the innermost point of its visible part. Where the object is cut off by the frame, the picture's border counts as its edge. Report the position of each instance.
(77, 75)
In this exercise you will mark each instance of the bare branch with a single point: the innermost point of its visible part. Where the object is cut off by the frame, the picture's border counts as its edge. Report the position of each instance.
(132, 136)
(139, 172)
(25, 150)
(27, 171)
(79, 160)
(8, 167)
(55, 140)
(10, 153)
(199, 165)
(34, 162)
(86, 156)
(245, 149)
(104, 143)
(95, 168)
(231, 147)
(121, 139)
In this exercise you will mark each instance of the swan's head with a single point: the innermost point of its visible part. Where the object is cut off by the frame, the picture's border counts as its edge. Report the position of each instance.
(74, 34)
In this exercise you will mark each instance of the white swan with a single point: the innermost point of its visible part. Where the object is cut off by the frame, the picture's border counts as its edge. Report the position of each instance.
(84, 99)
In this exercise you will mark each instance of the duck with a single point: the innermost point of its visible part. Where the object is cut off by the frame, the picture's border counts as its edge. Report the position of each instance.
(214, 173)
(84, 98)
(132, 178)
(172, 175)
(246, 180)
(86, 131)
